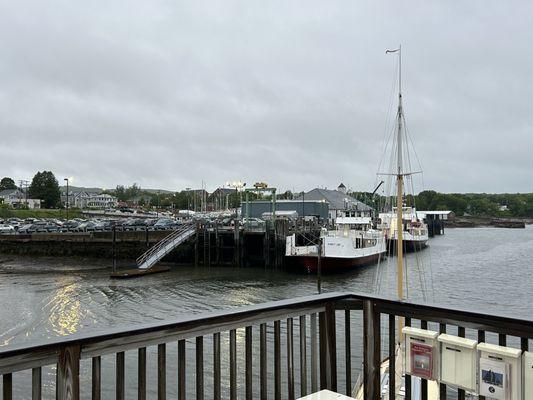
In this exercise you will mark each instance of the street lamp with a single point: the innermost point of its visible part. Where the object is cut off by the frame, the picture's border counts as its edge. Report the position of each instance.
(66, 204)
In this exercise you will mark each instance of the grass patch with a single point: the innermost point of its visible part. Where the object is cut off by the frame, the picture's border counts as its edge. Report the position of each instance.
(39, 213)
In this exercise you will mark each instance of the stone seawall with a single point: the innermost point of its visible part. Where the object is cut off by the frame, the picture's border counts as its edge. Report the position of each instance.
(128, 245)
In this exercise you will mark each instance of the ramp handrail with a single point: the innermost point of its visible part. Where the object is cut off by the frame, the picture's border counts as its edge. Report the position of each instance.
(162, 243)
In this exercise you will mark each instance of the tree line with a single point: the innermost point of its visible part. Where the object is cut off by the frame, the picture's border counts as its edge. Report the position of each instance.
(516, 205)
(45, 186)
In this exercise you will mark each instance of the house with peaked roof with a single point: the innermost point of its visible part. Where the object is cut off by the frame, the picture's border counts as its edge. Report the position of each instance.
(340, 203)
(17, 199)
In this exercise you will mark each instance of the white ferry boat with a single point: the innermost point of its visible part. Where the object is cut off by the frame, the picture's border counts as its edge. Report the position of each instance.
(353, 243)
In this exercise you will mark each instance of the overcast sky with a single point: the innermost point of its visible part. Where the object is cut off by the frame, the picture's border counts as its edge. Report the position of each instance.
(294, 93)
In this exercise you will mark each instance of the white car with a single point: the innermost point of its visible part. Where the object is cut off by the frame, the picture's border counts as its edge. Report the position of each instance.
(6, 229)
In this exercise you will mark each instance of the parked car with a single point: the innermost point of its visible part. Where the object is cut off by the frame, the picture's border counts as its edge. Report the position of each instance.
(26, 229)
(6, 229)
(164, 224)
(69, 226)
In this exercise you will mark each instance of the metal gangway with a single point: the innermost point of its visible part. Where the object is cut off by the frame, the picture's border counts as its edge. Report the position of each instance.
(155, 253)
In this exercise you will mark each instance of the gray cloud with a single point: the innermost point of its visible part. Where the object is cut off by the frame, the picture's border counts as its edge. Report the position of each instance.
(167, 94)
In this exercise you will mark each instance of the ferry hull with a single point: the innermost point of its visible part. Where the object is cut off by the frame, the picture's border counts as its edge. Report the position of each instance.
(329, 264)
(408, 245)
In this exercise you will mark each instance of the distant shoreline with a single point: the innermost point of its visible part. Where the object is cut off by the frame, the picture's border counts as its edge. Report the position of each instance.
(478, 222)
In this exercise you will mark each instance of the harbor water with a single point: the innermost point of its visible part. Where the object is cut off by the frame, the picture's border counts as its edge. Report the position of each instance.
(482, 269)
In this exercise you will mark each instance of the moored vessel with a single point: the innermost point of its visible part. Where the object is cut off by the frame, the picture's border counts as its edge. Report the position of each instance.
(414, 230)
(353, 243)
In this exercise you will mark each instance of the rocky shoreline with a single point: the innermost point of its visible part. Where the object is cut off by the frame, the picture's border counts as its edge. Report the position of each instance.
(478, 222)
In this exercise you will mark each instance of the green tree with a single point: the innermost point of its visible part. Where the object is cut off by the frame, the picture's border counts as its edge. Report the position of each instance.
(44, 186)
(7, 183)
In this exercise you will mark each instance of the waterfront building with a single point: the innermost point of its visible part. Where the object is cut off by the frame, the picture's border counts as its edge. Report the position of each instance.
(340, 203)
(309, 208)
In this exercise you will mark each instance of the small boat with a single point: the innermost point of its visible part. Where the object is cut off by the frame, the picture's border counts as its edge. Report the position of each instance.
(415, 231)
(353, 243)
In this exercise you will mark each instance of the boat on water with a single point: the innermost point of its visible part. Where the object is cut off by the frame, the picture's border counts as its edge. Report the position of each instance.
(353, 243)
(415, 234)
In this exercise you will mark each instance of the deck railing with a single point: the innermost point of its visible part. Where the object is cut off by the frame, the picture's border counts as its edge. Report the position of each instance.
(289, 348)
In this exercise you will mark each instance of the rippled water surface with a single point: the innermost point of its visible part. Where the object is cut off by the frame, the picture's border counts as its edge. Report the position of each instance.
(485, 269)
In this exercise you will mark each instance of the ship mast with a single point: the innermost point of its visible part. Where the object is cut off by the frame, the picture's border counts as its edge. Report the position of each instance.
(399, 194)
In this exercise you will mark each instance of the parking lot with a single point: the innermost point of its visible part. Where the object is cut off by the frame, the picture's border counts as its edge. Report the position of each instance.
(106, 223)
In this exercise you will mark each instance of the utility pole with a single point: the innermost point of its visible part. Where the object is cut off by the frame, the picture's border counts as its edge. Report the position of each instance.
(23, 184)
(66, 204)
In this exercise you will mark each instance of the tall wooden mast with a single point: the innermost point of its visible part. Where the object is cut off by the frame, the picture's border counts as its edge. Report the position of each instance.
(399, 194)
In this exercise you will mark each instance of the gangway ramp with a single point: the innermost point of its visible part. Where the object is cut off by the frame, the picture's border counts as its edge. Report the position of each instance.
(155, 253)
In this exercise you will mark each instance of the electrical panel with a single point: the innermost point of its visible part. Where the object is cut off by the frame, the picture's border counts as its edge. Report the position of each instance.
(500, 372)
(421, 353)
(458, 362)
(527, 375)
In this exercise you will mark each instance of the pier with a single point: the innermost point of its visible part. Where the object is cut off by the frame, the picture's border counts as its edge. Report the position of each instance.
(315, 351)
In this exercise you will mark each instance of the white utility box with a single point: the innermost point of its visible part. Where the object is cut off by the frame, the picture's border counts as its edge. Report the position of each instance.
(326, 395)
(527, 374)
(421, 353)
(458, 362)
(500, 372)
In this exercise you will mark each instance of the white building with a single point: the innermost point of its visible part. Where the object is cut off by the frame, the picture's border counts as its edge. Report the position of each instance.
(89, 200)
(16, 199)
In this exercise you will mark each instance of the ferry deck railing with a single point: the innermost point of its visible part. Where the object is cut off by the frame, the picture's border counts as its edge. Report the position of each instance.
(314, 360)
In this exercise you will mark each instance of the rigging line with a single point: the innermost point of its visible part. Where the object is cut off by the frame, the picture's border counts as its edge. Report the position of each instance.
(406, 273)
(412, 145)
(388, 123)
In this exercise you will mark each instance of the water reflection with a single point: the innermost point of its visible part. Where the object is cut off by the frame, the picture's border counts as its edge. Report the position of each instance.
(64, 308)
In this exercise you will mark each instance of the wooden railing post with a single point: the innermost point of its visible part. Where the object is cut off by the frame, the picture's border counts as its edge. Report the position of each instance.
(372, 351)
(328, 349)
(68, 373)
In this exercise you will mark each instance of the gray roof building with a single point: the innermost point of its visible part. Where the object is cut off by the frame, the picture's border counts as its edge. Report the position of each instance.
(337, 200)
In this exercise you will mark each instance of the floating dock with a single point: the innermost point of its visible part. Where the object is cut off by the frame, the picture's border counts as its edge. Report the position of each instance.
(138, 272)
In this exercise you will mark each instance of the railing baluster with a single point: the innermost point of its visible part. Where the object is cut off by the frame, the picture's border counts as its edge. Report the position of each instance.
(314, 354)
(216, 366)
(68, 375)
(407, 377)
(372, 350)
(303, 356)
(442, 386)
(277, 361)
(392, 357)
(424, 382)
(36, 384)
(248, 357)
(161, 371)
(263, 360)
(233, 364)
(461, 332)
(481, 339)
(348, 352)
(502, 339)
(181, 370)
(96, 390)
(290, 359)
(7, 386)
(141, 374)
(199, 368)
(119, 376)
(328, 349)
